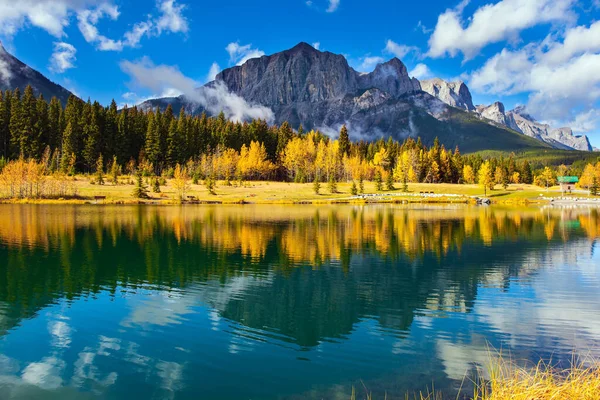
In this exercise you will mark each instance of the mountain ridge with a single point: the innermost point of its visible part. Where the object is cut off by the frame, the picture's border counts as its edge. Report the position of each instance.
(16, 74)
(320, 90)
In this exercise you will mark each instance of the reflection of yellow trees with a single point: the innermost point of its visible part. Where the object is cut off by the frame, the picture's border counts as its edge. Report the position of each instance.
(300, 234)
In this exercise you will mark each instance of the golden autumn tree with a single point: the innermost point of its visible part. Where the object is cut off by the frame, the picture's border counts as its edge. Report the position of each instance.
(181, 181)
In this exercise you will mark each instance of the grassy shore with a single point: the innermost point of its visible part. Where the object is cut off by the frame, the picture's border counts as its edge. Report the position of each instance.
(509, 381)
(292, 193)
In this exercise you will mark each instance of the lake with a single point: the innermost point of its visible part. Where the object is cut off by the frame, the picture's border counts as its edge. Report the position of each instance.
(287, 302)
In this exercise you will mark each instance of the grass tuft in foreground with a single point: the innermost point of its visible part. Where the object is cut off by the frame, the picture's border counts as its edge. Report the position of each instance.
(581, 381)
(508, 381)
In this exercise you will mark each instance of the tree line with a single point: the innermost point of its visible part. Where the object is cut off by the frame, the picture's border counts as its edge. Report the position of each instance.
(85, 136)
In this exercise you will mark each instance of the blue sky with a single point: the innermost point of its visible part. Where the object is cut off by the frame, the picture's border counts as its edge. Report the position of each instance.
(542, 53)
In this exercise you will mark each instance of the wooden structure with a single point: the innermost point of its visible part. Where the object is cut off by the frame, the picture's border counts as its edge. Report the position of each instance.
(567, 183)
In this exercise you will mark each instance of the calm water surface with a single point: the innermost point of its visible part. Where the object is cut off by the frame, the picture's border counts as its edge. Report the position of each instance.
(286, 302)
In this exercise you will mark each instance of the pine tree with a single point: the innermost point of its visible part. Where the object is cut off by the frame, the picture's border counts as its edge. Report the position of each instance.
(361, 184)
(156, 185)
(100, 170)
(68, 147)
(114, 171)
(332, 185)
(389, 182)
(209, 182)
(526, 174)
(5, 102)
(174, 144)
(316, 184)
(344, 142)
(152, 145)
(140, 191)
(354, 189)
(378, 182)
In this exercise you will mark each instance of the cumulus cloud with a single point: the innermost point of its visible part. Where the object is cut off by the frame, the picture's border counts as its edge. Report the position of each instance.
(63, 57)
(170, 19)
(213, 71)
(561, 90)
(333, 6)
(577, 40)
(399, 50)
(49, 15)
(368, 63)
(492, 23)
(317, 45)
(421, 71)
(214, 98)
(239, 54)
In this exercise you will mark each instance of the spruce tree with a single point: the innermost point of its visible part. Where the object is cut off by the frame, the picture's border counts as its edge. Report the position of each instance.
(344, 142)
(317, 184)
(5, 123)
(361, 184)
(389, 182)
(354, 189)
(68, 147)
(140, 191)
(152, 145)
(100, 170)
(332, 185)
(378, 182)
(156, 185)
(174, 145)
(114, 171)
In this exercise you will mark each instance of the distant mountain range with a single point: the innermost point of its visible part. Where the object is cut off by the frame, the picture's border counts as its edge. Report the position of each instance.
(321, 91)
(15, 74)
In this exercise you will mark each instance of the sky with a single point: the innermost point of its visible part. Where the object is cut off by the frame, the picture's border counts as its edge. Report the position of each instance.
(544, 54)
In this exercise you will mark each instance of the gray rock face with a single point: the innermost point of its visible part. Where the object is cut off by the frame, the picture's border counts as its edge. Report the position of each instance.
(321, 91)
(304, 74)
(557, 137)
(497, 114)
(15, 74)
(455, 94)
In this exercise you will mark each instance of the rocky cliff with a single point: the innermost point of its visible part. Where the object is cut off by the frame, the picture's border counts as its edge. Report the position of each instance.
(15, 74)
(456, 94)
(321, 91)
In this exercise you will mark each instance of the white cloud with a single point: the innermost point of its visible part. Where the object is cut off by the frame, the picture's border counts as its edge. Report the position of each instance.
(63, 57)
(561, 90)
(421, 71)
(214, 98)
(5, 72)
(212, 73)
(239, 54)
(399, 50)
(369, 63)
(423, 28)
(171, 19)
(492, 23)
(333, 6)
(49, 15)
(577, 40)
(317, 45)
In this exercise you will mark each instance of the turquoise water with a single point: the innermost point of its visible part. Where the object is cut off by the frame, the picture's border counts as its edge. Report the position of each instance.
(290, 302)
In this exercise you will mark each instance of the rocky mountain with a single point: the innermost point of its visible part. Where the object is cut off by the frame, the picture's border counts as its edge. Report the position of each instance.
(321, 91)
(456, 94)
(15, 74)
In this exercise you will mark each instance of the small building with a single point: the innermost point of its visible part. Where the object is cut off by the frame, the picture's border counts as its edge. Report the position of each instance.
(567, 183)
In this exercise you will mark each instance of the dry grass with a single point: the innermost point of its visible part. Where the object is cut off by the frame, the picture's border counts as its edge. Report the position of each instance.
(289, 193)
(508, 381)
(581, 381)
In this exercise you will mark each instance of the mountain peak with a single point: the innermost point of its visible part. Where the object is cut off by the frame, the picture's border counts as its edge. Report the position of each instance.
(456, 94)
(303, 46)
